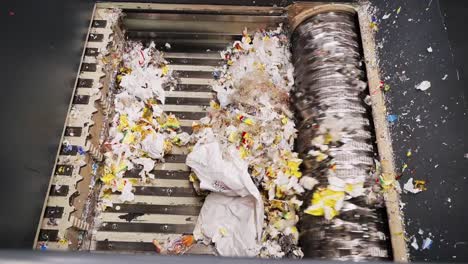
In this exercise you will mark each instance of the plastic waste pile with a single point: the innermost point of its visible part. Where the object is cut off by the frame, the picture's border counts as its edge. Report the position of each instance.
(140, 133)
(245, 148)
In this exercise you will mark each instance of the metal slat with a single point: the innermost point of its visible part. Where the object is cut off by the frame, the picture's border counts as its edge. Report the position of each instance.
(162, 200)
(133, 237)
(165, 191)
(156, 209)
(150, 218)
(190, 88)
(125, 246)
(147, 227)
(160, 174)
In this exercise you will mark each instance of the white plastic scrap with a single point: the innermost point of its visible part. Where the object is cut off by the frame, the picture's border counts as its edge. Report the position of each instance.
(429, 49)
(235, 206)
(423, 86)
(230, 223)
(414, 244)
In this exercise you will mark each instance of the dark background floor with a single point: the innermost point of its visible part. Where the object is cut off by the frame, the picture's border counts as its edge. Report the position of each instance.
(41, 43)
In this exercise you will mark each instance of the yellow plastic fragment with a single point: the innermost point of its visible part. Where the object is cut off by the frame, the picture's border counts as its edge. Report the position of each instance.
(107, 178)
(223, 231)
(215, 105)
(420, 184)
(328, 138)
(171, 122)
(63, 242)
(324, 202)
(107, 193)
(128, 138)
(293, 167)
(165, 70)
(321, 157)
(233, 137)
(147, 113)
(244, 152)
(123, 122)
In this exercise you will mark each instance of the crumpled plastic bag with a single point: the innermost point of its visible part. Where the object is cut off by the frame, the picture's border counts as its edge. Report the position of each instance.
(230, 223)
(222, 216)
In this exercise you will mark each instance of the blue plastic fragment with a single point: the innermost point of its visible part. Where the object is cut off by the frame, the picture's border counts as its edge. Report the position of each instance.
(216, 75)
(81, 150)
(67, 148)
(392, 118)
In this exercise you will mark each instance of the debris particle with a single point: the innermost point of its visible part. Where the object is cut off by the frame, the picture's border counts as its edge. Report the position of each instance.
(386, 88)
(373, 26)
(410, 187)
(445, 77)
(408, 154)
(386, 16)
(420, 231)
(117, 208)
(398, 10)
(427, 243)
(404, 167)
(414, 244)
(392, 118)
(167, 45)
(368, 100)
(429, 49)
(449, 199)
(11, 13)
(465, 156)
(423, 86)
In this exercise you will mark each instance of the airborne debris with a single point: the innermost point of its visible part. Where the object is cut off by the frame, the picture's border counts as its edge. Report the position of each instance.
(423, 86)
(414, 186)
(414, 244)
(427, 243)
(398, 10)
(386, 16)
(429, 49)
(445, 77)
